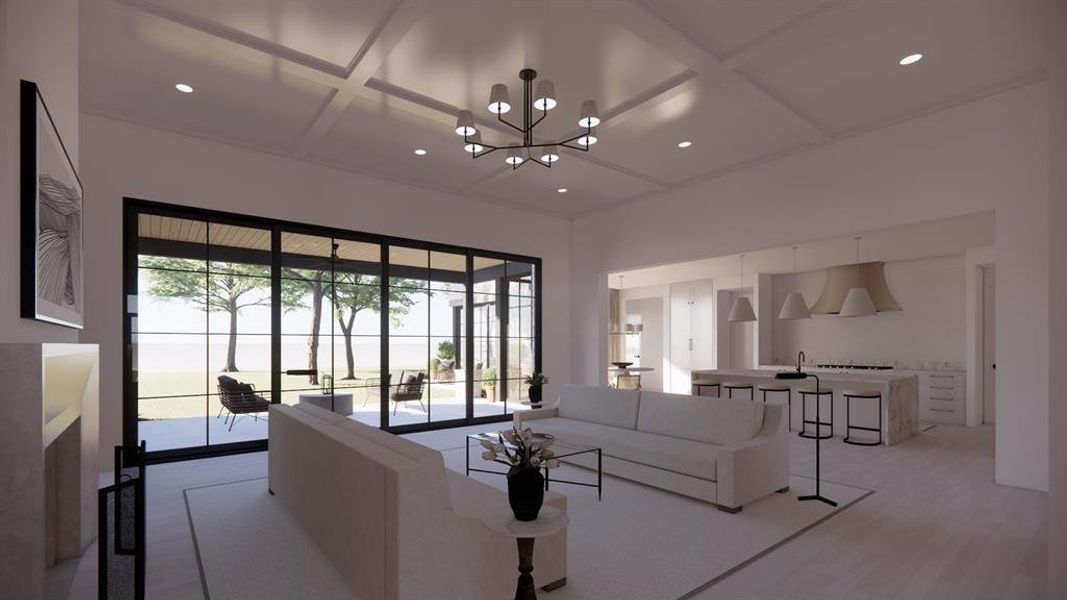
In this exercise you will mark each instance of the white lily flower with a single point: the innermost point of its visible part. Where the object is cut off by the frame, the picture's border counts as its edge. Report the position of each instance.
(535, 461)
(553, 464)
(487, 444)
(489, 455)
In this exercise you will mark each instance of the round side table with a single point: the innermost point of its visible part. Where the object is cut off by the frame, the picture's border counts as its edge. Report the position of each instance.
(550, 521)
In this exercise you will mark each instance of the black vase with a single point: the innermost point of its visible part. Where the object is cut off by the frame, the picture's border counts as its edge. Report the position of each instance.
(526, 493)
(535, 394)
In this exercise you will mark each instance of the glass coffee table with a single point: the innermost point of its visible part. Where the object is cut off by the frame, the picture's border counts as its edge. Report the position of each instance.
(559, 448)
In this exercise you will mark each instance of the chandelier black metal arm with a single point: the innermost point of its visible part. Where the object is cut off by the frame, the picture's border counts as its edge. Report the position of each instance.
(498, 104)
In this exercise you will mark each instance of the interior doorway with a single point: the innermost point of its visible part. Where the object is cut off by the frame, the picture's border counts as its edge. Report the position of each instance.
(989, 358)
(645, 349)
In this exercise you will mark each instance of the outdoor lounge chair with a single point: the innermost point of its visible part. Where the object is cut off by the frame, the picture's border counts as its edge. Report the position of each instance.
(240, 399)
(374, 385)
(408, 389)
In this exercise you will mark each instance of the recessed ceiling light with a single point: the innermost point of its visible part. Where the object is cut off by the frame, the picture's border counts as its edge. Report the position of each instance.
(184, 88)
(562, 190)
(685, 144)
(420, 152)
(911, 59)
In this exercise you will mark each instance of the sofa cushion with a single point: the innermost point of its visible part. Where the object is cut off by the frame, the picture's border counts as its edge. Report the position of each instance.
(722, 421)
(607, 406)
(696, 459)
(321, 413)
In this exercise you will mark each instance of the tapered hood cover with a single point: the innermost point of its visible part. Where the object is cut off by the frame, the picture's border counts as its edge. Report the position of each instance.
(840, 279)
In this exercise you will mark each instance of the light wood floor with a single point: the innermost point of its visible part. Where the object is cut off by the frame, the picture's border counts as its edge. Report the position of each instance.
(936, 528)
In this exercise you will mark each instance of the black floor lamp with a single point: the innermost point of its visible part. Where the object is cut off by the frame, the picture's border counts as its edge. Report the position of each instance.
(798, 374)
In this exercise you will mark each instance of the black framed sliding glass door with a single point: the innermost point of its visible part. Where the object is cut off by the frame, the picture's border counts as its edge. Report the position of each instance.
(226, 314)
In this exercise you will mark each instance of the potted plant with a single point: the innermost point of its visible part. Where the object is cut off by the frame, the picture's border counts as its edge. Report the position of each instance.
(489, 383)
(435, 369)
(525, 453)
(446, 355)
(535, 382)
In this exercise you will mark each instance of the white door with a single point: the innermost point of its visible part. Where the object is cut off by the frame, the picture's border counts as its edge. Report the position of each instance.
(989, 357)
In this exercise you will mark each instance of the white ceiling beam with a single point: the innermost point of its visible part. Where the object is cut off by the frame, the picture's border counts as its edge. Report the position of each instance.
(333, 72)
(645, 22)
(391, 28)
(806, 24)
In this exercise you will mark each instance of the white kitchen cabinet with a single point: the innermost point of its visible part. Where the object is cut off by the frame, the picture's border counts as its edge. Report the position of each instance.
(692, 344)
(942, 396)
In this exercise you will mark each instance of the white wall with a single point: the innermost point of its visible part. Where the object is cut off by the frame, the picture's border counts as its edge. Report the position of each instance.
(39, 43)
(930, 328)
(990, 154)
(1057, 422)
(123, 159)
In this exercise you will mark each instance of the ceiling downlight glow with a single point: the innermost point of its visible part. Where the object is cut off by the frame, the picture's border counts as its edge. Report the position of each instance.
(685, 144)
(184, 88)
(911, 59)
(562, 190)
(420, 152)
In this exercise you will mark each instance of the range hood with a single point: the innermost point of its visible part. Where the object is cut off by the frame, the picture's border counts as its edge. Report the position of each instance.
(840, 279)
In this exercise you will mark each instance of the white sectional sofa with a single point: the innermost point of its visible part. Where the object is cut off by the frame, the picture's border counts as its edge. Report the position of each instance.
(391, 518)
(728, 452)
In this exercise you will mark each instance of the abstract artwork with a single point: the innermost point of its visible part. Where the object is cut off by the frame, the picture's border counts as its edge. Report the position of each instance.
(51, 219)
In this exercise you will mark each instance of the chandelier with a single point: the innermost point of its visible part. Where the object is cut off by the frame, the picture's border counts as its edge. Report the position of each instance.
(543, 101)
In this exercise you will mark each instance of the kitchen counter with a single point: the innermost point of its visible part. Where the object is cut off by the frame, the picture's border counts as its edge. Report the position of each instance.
(900, 397)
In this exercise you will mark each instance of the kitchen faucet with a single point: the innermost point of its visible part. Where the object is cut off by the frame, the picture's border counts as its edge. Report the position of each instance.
(800, 359)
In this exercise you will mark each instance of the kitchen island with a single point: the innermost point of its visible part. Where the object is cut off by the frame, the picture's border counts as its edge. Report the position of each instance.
(900, 397)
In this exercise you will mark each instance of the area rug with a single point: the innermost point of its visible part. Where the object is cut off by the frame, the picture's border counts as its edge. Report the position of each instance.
(638, 543)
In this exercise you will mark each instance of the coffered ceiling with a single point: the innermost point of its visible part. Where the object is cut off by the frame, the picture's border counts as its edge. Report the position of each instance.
(359, 85)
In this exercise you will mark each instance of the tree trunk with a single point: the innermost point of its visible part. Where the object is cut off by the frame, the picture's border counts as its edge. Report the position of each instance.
(349, 357)
(231, 346)
(316, 316)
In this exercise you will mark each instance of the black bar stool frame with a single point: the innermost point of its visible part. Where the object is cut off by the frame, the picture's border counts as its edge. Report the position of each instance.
(730, 391)
(848, 421)
(789, 403)
(804, 421)
(700, 387)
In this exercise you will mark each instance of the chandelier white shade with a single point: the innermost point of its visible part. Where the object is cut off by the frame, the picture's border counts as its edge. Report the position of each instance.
(545, 98)
(590, 114)
(499, 101)
(465, 123)
(741, 311)
(794, 307)
(544, 153)
(514, 158)
(474, 143)
(857, 304)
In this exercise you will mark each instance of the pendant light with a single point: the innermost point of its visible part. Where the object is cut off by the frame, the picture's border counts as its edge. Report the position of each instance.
(794, 306)
(858, 301)
(742, 308)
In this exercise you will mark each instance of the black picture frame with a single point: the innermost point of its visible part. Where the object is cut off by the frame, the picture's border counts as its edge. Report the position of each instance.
(52, 211)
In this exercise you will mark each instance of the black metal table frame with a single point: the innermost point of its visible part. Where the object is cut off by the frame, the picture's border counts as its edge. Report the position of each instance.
(599, 485)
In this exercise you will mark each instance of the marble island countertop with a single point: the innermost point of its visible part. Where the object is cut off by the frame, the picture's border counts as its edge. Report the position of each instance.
(899, 402)
(828, 375)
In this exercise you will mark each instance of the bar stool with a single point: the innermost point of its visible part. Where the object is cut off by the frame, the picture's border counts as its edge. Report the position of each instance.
(700, 384)
(804, 393)
(849, 395)
(778, 387)
(730, 386)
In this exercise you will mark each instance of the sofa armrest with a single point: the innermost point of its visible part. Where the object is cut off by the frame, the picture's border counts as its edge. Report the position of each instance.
(521, 417)
(753, 469)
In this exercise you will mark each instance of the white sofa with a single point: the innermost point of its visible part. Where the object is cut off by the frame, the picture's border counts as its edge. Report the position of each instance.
(391, 518)
(728, 452)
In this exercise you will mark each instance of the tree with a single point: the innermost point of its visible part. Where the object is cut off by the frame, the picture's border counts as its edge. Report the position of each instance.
(317, 283)
(356, 293)
(229, 288)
